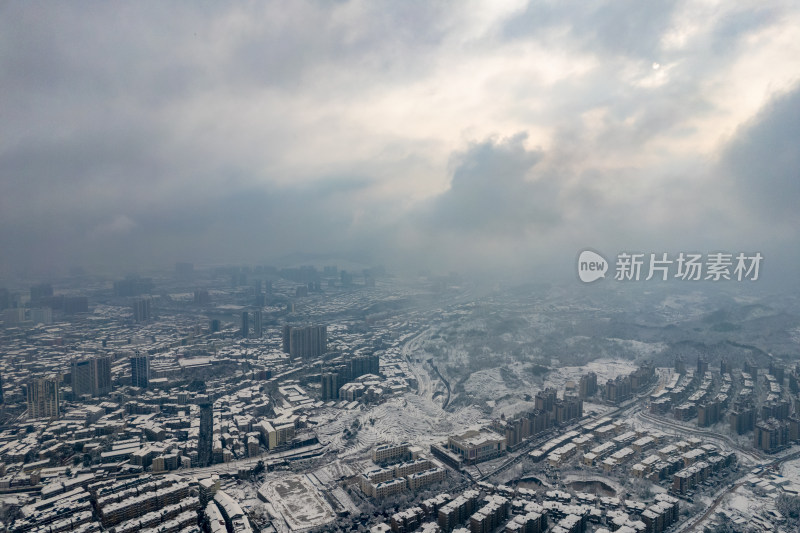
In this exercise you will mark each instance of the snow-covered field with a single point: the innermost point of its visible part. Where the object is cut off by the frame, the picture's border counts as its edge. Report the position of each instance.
(791, 470)
(418, 420)
(743, 505)
(405, 418)
(488, 385)
(298, 502)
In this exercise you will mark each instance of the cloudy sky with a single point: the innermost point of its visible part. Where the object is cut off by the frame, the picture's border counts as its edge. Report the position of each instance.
(445, 135)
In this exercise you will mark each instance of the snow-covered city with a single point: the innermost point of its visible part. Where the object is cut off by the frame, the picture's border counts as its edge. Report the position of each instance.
(319, 400)
(407, 266)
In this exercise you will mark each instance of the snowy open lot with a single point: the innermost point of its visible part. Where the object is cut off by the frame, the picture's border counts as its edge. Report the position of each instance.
(298, 502)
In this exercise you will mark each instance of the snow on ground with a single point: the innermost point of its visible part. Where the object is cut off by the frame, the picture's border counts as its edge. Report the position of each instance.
(403, 418)
(410, 418)
(298, 502)
(742, 504)
(456, 356)
(510, 407)
(643, 349)
(487, 384)
(418, 420)
(335, 471)
(596, 409)
(604, 368)
(345, 501)
(590, 478)
(243, 492)
(490, 385)
(791, 470)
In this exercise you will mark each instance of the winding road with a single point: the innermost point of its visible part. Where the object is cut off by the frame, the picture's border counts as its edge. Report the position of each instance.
(661, 422)
(446, 383)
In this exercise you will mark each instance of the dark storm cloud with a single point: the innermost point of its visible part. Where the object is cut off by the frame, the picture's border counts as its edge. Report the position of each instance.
(763, 161)
(494, 191)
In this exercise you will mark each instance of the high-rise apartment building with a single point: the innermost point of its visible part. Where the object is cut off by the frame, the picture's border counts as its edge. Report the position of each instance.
(771, 435)
(142, 309)
(205, 438)
(285, 337)
(201, 297)
(330, 386)
(75, 304)
(305, 342)
(258, 324)
(133, 286)
(140, 370)
(91, 376)
(364, 364)
(742, 419)
(245, 325)
(44, 397)
(587, 386)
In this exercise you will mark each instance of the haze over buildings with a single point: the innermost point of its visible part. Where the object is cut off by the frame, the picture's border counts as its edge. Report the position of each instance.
(311, 266)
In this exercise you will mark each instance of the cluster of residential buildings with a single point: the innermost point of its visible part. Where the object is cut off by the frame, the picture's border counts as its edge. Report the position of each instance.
(504, 435)
(699, 466)
(761, 489)
(490, 508)
(85, 504)
(550, 411)
(747, 400)
(612, 447)
(109, 407)
(412, 473)
(672, 463)
(223, 514)
(623, 388)
(135, 381)
(339, 372)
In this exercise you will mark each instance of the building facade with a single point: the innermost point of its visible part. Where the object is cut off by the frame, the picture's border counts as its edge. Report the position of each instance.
(140, 370)
(305, 342)
(44, 398)
(205, 439)
(91, 377)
